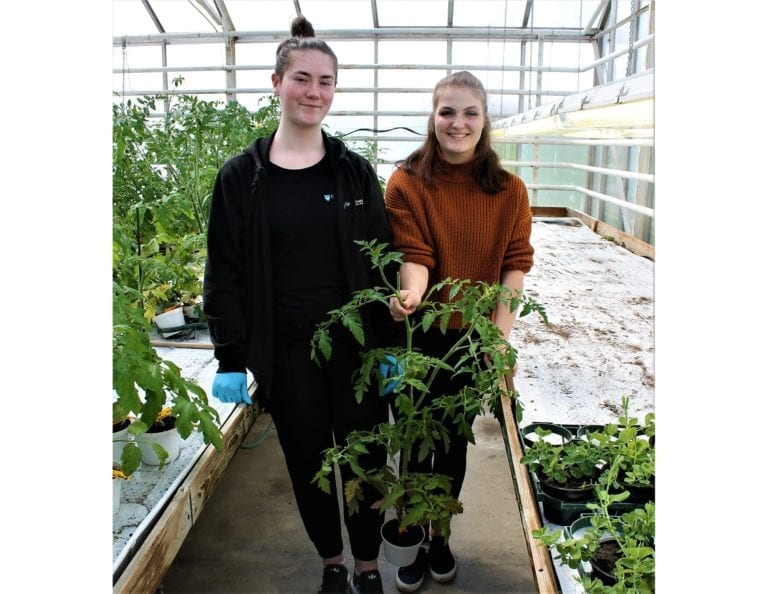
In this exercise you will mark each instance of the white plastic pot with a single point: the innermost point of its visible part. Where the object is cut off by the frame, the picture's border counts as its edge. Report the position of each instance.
(399, 555)
(170, 319)
(117, 488)
(169, 440)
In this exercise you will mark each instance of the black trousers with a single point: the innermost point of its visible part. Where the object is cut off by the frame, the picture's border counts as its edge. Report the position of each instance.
(452, 463)
(314, 408)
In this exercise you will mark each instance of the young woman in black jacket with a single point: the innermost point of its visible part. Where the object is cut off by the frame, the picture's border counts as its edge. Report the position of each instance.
(284, 217)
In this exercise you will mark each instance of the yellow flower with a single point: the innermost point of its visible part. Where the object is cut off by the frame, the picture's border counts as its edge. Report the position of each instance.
(166, 412)
(118, 474)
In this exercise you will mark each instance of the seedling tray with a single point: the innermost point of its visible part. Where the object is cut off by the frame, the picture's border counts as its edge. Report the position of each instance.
(560, 511)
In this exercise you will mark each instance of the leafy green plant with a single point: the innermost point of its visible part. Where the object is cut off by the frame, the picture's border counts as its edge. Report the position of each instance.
(633, 531)
(483, 355)
(163, 171)
(583, 460)
(630, 442)
(144, 382)
(577, 463)
(163, 174)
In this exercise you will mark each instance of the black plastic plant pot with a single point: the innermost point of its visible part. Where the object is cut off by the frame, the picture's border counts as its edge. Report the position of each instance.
(579, 525)
(560, 515)
(640, 493)
(584, 430)
(560, 435)
(564, 504)
(603, 561)
(566, 493)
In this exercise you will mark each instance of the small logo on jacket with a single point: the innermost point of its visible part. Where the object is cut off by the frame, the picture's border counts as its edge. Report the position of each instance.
(327, 197)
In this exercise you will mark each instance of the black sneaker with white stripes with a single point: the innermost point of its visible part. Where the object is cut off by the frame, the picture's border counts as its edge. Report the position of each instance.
(367, 581)
(335, 580)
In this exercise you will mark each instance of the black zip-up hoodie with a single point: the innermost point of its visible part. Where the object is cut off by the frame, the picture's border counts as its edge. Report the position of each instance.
(237, 287)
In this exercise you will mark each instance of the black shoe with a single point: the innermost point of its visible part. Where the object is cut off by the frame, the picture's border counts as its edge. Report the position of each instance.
(367, 581)
(335, 579)
(409, 578)
(442, 565)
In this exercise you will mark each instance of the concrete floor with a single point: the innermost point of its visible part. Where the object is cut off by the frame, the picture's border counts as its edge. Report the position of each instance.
(249, 538)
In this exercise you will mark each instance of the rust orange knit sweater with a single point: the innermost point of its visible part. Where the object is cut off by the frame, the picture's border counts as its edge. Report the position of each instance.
(457, 230)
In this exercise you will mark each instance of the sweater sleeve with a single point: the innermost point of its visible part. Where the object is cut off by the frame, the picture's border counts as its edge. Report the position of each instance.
(519, 252)
(407, 218)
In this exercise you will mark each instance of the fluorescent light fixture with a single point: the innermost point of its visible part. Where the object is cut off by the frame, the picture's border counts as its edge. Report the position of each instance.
(623, 109)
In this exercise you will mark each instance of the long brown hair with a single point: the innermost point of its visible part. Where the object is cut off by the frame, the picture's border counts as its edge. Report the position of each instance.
(487, 170)
(302, 38)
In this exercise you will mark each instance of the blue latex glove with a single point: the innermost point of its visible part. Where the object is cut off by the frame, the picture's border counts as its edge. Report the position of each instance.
(390, 368)
(231, 387)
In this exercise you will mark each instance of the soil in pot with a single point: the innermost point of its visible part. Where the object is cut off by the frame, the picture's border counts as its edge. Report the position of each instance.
(604, 561)
(165, 424)
(571, 490)
(412, 536)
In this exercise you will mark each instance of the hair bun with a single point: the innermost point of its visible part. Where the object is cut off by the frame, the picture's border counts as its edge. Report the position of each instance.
(301, 27)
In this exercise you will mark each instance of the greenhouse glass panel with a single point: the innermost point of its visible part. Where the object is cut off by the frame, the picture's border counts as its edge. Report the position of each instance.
(335, 14)
(412, 13)
(563, 13)
(352, 102)
(264, 15)
(405, 102)
(419, 52)
(208, 54)
(487, 13)
(353, 52)
(183, 21)
(130, 18)
(490, 53)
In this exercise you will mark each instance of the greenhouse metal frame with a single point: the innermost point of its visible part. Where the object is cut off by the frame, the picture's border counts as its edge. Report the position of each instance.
(570, 82)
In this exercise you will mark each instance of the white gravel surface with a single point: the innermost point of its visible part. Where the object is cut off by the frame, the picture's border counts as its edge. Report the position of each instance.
(599, 344)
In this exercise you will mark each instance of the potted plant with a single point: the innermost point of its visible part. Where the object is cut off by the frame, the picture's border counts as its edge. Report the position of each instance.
(419, 499)
(160, 443)
(632, 444)
(118, 476)
(119, 436)
(145, 384)
(613, 553)
(566, 472)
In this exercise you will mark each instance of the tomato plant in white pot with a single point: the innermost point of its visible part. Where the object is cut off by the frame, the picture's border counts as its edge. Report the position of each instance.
(145, 384)
(420, 499)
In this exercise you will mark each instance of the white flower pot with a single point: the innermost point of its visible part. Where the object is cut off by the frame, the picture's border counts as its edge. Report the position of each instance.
(192, 312)
(119, 441)
(117, 488)
(169, 440)
(170, 319)
(398, 555)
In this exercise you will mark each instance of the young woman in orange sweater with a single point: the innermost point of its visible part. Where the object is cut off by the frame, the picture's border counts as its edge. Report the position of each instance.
(454, 212)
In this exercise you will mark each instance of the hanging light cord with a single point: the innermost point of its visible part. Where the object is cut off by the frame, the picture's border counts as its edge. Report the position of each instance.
(376, 131)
